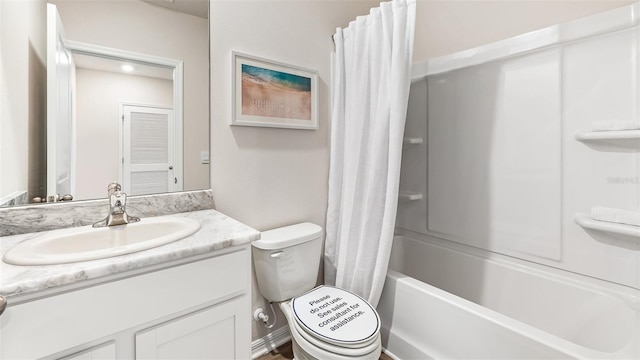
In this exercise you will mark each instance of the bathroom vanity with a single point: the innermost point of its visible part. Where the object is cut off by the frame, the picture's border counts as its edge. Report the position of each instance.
(186, 299)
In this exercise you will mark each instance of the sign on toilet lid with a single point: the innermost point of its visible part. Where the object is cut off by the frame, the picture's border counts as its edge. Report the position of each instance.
(336, 315)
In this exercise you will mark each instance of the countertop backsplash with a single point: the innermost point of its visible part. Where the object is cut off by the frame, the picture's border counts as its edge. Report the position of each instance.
(44, 217)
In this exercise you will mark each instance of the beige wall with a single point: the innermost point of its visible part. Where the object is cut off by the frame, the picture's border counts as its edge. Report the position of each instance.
(265, 177)
(137, 26)
(99, 94)
(22, 96)
(447, 26)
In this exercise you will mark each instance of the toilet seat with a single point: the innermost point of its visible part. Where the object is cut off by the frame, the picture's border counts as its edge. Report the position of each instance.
(332, 316)
(319, 349)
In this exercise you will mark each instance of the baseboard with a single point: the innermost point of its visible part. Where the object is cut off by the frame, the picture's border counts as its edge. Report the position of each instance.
(278, 337)
(269, 342)
(390, 354)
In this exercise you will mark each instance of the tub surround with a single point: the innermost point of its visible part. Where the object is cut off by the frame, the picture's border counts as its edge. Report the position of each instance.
(217, 232)
(508, 265)
(44, 217)
(528, 139)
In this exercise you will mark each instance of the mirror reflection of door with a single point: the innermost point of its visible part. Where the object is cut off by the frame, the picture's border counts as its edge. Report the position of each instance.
(60, 109)
(149, 150)
(171, 39)
(85, 136)
(104, 85)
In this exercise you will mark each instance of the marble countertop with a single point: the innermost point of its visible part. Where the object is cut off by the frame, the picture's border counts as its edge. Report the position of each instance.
(217, 232)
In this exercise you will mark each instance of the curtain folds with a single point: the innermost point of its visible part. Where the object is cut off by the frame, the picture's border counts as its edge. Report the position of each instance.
(371, 80)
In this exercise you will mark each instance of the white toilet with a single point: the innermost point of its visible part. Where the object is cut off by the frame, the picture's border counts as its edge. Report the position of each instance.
(325, 322)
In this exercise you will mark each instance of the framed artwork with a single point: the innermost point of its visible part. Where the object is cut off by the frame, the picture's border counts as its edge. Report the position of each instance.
(272, 94)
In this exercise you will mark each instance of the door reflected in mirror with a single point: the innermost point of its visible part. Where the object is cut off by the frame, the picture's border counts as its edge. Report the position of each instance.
(144, 94)
(162, 144)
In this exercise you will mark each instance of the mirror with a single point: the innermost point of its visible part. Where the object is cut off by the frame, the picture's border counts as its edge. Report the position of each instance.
(165, 97)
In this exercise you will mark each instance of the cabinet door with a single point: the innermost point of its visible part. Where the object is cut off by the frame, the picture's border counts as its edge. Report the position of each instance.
(101, 352)
(206, 334)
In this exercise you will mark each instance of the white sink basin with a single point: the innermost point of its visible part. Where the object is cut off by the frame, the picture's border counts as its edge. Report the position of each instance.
(87, 243)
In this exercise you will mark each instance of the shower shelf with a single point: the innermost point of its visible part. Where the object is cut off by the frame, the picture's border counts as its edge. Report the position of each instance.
(607, 135)
(409, 195)
(588, 222)
(413, 140)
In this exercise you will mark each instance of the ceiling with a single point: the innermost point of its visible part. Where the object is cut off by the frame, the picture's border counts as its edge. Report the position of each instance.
(113, 65)
(198, 8)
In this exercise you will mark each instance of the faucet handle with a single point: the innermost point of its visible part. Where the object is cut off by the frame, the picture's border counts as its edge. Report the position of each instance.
(113, 187)
(117, 208)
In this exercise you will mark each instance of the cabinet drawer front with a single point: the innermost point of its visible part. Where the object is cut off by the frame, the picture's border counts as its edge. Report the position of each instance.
(53, 324)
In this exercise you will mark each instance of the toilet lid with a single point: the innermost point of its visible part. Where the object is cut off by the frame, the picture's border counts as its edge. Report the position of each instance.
(336, 315)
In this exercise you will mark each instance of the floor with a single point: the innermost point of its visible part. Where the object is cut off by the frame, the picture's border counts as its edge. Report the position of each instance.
(284, 352)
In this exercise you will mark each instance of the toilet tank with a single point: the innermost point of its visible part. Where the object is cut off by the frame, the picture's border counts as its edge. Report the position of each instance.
(287, 260)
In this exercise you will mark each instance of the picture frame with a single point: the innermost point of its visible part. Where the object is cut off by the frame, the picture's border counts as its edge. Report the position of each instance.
(268, 93)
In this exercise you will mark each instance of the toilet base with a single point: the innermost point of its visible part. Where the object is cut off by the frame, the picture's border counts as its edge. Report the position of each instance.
(301, 354)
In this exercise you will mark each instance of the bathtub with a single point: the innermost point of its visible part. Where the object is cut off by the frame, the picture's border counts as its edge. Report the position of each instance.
(442, 300)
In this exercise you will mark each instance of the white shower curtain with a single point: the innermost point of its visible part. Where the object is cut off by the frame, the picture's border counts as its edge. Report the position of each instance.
(371, 81)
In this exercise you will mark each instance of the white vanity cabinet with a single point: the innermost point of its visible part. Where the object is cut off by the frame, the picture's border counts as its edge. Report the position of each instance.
(207, 334)
(196, 309)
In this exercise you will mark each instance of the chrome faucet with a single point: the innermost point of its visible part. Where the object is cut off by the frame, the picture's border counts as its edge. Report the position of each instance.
(117, 208)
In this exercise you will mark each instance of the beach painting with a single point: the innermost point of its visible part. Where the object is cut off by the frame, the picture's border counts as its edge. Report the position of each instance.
(272, 94)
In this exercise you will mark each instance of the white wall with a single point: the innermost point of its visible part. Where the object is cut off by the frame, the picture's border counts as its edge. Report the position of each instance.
(141, 27)
(447, 26)
(265, 177)
(22, 96)
(99, 94)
